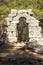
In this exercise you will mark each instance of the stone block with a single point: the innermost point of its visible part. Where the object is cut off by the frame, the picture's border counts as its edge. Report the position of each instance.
(7, 23)
(22, 11)
(29, 11)
(40, 39)
(34, 28)
(12, 39)
(11, 34)
(12, 15)
(14, 11)
(13, 22)
(8, 19)
(11, 28)
(25, 11)
(40, 43)
(34, 32)
(14, 33)
(33, 22)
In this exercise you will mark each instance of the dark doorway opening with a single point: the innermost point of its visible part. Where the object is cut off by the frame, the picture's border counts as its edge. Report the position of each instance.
(22, 29)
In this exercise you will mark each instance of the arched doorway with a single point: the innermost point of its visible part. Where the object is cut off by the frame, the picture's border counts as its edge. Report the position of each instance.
(22, 29)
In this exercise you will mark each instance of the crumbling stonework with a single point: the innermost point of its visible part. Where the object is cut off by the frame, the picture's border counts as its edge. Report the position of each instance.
(33, 25)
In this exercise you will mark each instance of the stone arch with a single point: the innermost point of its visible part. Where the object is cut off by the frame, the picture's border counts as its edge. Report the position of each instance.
(28, 17)
(17, 18)
(33, 25)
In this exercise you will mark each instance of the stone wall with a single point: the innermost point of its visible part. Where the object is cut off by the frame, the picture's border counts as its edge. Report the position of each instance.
(33, 25)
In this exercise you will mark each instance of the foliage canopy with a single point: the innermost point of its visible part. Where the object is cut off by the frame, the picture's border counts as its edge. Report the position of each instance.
(35, 5)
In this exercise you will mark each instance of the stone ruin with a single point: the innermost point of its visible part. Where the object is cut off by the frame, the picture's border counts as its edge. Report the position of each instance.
(34, 30)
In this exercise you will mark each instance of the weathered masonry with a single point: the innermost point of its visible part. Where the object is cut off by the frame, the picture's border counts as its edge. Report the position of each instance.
(29, 26)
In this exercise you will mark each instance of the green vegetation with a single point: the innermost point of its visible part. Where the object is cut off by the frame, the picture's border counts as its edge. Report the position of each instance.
(35, 5)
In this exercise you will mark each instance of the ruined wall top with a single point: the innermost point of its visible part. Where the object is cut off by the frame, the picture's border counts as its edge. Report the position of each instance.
(14, 15)
(29, 11)
(15, 12)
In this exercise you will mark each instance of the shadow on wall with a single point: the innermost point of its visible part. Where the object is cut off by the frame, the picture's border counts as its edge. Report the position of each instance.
(4, 44)
(41, 25)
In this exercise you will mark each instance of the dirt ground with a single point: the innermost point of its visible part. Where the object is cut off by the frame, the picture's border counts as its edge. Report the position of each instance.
(17, 54)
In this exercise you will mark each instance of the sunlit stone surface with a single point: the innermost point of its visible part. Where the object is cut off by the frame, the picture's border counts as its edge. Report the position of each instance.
(33, 25)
